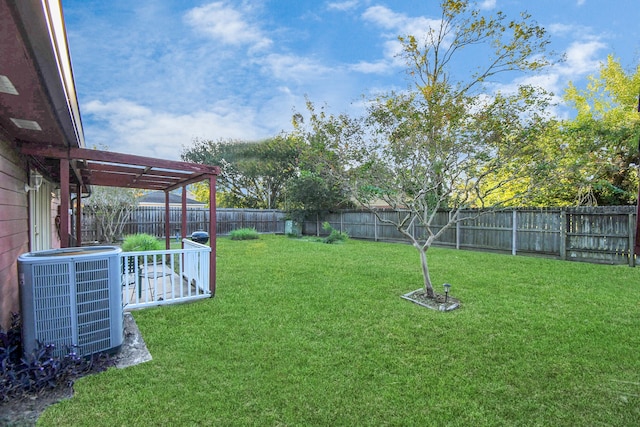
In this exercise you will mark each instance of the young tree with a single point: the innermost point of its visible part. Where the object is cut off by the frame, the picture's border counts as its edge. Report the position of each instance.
(440, 144)
(111, 207)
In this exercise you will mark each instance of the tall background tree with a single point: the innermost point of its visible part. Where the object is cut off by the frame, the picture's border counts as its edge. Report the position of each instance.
(604, 135)
(253, 174)
(442, 143)
(316, 188)
(594, 154)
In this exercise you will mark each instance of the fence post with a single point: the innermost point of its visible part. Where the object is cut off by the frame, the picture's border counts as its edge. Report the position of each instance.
(563, 235)
(458, 228)
(514, 233)
(632, 240)
(375, 227)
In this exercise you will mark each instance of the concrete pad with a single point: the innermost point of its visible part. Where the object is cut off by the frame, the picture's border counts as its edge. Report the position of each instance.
(134, 350)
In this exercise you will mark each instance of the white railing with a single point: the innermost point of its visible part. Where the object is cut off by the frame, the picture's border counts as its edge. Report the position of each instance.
(164, 277)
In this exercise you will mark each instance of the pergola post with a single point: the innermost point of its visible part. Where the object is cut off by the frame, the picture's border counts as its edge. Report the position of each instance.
(184, 212)
(64, 203)
(212, 234)
(167, 225)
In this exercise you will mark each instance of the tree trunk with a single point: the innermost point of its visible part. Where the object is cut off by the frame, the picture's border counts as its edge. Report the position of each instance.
(428, 287)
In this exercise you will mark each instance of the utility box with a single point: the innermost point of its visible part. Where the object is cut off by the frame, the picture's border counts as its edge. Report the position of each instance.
(292, 228)
(72, 298)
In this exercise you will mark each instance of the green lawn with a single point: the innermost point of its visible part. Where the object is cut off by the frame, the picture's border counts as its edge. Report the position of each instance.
(303, 334)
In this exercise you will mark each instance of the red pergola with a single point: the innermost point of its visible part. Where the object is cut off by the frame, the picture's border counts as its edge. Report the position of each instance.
(76, 169)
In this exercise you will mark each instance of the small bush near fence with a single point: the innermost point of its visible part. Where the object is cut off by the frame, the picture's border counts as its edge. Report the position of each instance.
(244, 234)
(334, 235)
(141, 242)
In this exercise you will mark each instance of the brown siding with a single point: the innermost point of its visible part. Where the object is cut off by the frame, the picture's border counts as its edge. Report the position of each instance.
(14, 228)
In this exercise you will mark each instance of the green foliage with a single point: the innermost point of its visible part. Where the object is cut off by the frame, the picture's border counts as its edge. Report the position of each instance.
(253, 174)
(141, 242)
(244, 234)
(311, 194)
(304, 334)
(592, 156)
(334, 235)
(603, 137)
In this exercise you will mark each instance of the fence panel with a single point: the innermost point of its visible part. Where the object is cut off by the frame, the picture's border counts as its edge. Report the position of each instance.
(600, 237)
(592, 234)
(151, 220)
(491, 231)
(539, 231)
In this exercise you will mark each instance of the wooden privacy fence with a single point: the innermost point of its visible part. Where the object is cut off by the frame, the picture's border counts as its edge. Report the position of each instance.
(592, 234)
(151, 220)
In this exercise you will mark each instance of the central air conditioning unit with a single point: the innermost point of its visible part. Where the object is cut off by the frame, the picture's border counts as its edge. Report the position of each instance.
(72, 298)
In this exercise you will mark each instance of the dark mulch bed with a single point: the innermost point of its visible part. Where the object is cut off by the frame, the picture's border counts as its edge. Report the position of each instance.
(24, 410)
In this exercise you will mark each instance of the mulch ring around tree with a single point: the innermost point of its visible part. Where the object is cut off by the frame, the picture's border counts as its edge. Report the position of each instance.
(438, 303)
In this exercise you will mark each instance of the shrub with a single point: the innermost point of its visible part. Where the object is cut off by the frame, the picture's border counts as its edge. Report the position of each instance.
(31, 373)
(244, 234)
(334, 235)
(141, 242)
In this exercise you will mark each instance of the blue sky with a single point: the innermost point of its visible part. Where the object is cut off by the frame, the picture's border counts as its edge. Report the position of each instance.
(152, 75)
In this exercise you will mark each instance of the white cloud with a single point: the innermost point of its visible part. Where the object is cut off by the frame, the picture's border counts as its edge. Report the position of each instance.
(343, 6)
(228, 25)
(293, 68)
(399, 23)
(127, 127)
(392, 60)
(561, 29)
(377, 67)
(580, 60)
(393, 24)
(569, 30)
(581, 57)
(488, 4)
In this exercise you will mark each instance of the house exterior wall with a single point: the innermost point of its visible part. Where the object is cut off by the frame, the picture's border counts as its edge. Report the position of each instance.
(14, 227)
